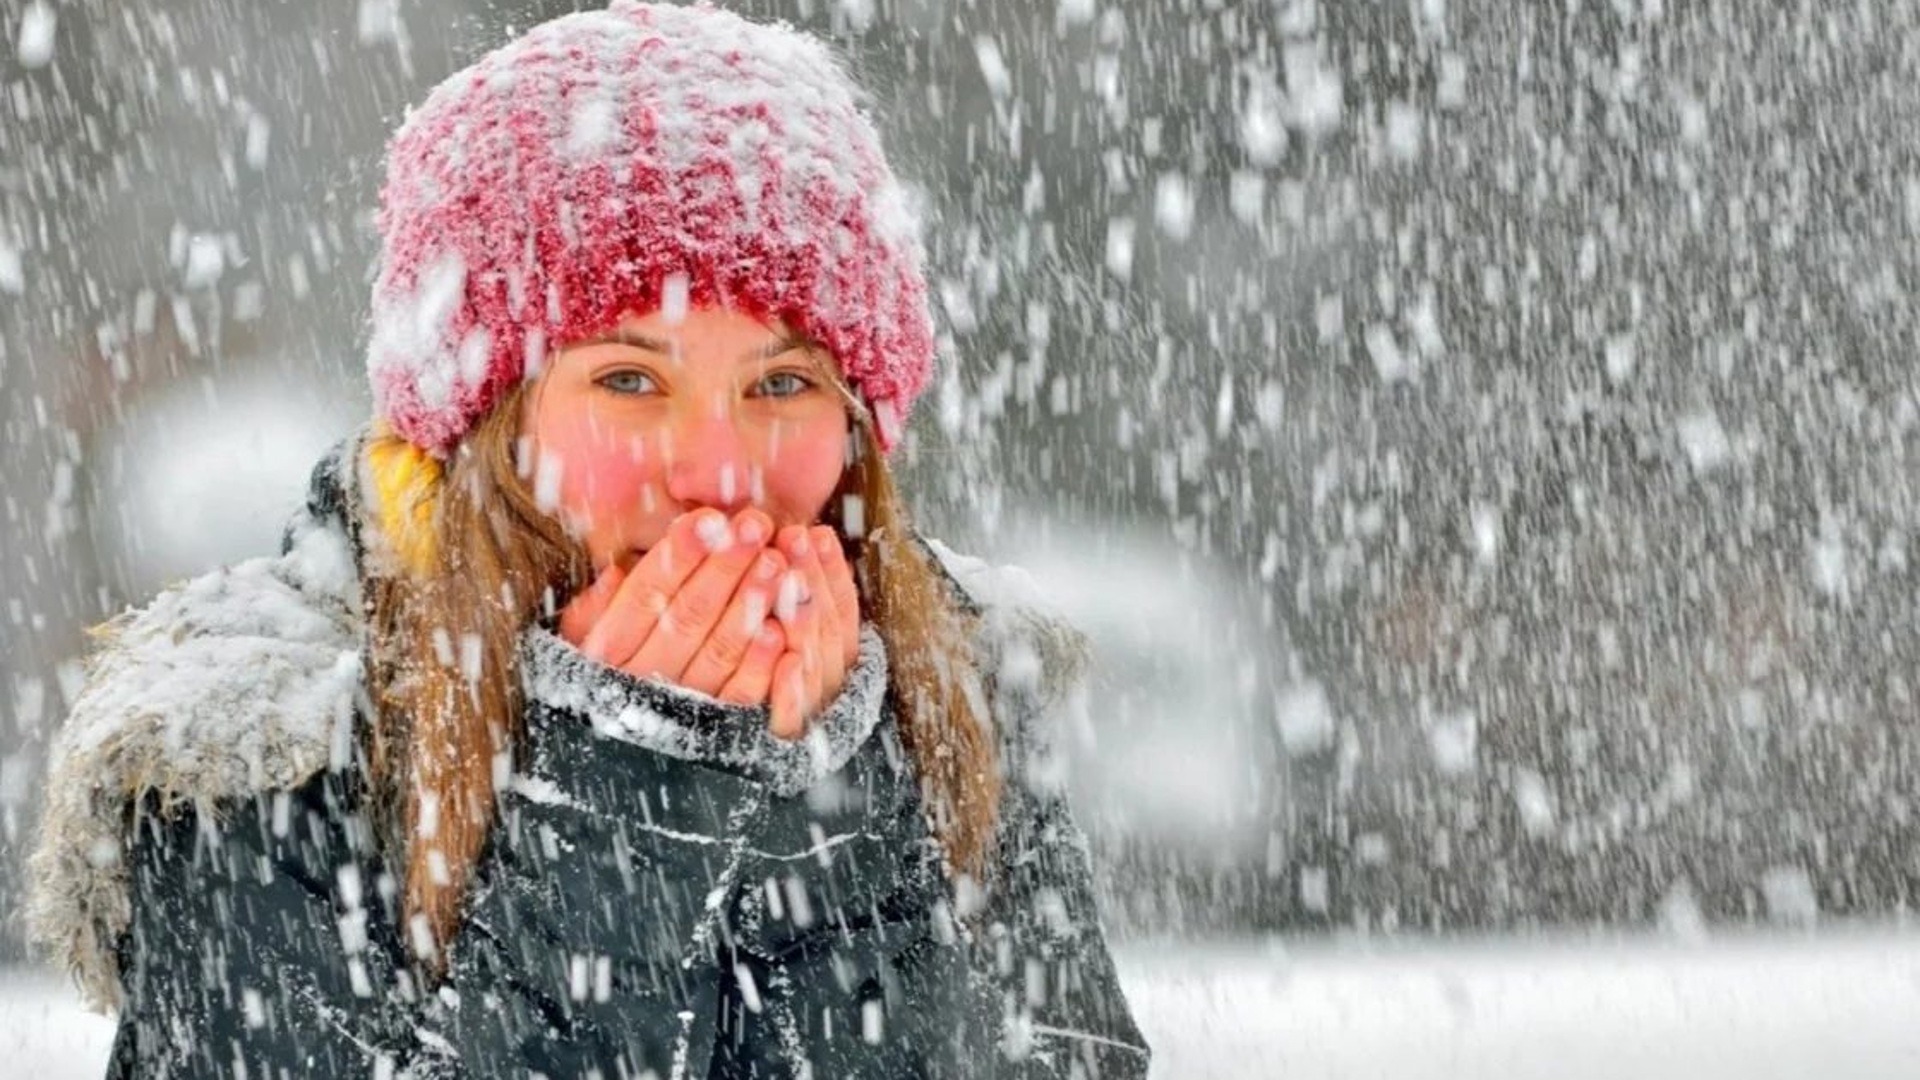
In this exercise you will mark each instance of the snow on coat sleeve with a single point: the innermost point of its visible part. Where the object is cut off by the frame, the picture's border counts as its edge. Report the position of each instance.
(1064, 1012)
(258, 943)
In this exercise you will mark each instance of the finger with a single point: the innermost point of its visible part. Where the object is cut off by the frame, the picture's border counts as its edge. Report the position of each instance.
(838, 644)
(794, 592)
(793, 541)
(793, 609)
(826, 660)
(751, 681)
(803, 643)
(804, 551)
(697, 607)
(788, 696)
(727, 644)
(795, 692)
(590, 604)
(650, 586)
(845, 592)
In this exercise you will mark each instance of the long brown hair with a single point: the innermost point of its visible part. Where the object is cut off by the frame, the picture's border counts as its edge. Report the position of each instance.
(445, 621)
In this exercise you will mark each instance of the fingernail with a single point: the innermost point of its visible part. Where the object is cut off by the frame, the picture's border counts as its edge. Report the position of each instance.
(766, 567)
(752, 529)
(713, 532)
(801, 548)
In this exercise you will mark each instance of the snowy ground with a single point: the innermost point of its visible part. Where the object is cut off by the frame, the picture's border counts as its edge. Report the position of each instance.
(1757, 1008)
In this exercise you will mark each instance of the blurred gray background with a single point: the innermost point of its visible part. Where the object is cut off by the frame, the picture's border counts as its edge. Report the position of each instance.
(1477, 434)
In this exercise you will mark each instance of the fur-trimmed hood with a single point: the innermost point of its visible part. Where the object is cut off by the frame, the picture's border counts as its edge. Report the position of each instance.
(248, 679)
(242, 680)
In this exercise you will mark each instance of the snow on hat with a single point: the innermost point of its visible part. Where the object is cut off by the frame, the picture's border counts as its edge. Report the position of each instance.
(625, 160)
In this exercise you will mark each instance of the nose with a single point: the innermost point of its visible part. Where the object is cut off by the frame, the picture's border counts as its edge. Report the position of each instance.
(707, 464)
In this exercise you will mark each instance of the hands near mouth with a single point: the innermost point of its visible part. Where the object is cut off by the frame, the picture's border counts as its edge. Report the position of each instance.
(732, 608)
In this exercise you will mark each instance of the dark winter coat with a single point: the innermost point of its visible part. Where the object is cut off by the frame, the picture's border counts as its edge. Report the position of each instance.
(667, 889)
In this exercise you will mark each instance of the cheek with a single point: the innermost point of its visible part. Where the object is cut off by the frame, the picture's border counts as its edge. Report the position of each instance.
(612, 479)
(601, 474)
(804, 472)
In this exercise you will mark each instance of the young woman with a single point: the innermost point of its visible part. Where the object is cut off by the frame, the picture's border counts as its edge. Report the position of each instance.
(602, 715)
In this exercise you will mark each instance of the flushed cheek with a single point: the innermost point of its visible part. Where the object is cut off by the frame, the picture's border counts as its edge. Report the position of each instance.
(604, 482)
(801, 476)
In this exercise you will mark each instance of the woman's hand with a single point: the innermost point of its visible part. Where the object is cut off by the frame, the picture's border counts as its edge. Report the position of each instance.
(692, 611)
(818, 607)
(715, 609)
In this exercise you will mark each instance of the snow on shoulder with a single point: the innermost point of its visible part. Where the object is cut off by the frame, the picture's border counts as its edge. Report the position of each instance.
(1033, 650)
(240, 680)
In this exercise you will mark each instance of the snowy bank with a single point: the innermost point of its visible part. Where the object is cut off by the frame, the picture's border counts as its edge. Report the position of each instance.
(1747, 1008)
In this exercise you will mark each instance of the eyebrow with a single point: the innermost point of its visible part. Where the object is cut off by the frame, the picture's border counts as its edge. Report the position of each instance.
(642, 341)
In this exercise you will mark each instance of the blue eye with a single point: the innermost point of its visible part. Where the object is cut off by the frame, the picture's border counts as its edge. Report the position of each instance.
(628, 382)
(784, 384)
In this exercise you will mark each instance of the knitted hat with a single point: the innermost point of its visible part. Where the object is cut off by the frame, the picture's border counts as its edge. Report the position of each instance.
(641, 157)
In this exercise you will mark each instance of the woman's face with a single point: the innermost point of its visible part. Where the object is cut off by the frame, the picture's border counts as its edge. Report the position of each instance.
(654, 418)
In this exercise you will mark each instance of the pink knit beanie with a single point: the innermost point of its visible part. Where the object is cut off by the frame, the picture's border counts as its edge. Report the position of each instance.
(625, 160)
